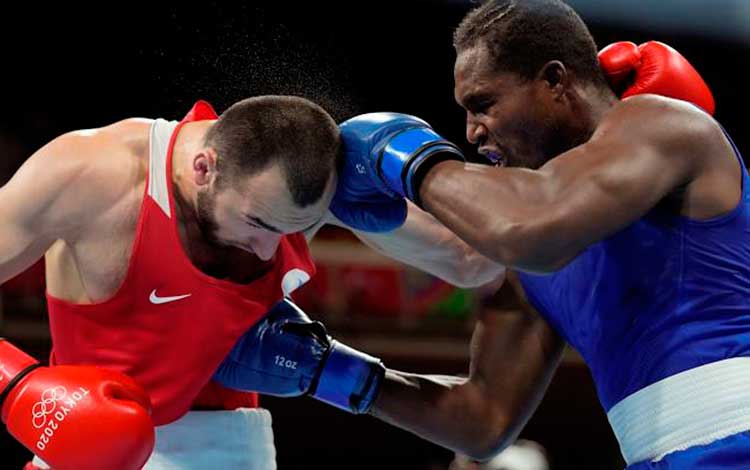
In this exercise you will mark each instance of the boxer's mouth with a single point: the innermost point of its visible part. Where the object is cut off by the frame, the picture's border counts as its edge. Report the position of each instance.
(493, 155)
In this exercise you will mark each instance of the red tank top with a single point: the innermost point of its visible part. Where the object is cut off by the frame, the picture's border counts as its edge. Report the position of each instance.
(170, 325)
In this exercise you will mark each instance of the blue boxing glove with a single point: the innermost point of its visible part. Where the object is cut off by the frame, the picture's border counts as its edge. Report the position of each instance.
(360, 202)
(286, 354)
(388, 153)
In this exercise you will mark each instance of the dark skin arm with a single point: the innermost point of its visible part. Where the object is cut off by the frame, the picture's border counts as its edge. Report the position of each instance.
(514, 354)
(644, 150)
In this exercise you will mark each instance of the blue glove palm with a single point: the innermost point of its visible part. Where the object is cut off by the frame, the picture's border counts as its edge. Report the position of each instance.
(280, 355)
(286, 354)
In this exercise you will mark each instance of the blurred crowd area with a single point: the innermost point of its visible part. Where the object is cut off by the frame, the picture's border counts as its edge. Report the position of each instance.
(91, 67)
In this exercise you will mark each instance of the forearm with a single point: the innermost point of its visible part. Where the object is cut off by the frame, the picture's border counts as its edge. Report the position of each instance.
(514, 354)
(426, 244)
(446, 410)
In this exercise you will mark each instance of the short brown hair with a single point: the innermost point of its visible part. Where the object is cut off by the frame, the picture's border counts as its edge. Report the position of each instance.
(523, 35)
(295, 133)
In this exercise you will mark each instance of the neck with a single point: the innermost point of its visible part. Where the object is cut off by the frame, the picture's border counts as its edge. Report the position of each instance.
(596, 102)
(189, 141)
(221, 262)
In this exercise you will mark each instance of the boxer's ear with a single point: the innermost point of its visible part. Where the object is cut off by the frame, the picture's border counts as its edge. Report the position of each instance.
(204, 166)
(555, 77)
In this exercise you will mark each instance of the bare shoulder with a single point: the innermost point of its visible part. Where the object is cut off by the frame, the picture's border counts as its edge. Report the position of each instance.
(101, 157)
(126, 138)
(681, 138)
(674, 128)
(82, 173)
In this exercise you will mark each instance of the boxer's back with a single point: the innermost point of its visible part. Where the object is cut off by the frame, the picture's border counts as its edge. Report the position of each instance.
(77, 197)
(90, 264)
(663, 295)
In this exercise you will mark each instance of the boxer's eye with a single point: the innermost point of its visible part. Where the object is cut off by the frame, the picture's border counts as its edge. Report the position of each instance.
(484, 106)
(256, 222)
(479, 104)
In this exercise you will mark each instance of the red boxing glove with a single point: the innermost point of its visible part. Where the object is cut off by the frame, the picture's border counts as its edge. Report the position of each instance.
(75, 417)
(653, 67)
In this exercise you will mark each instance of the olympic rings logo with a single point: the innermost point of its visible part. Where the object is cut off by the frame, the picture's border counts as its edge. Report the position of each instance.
(46, 405)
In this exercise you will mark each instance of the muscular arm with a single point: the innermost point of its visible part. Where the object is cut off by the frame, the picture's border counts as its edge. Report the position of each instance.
(44, 201)
(426, 244)
(513, 356)
(538, 220)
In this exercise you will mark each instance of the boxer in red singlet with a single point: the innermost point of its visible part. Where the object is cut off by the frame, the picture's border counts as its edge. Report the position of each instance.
(164, 241)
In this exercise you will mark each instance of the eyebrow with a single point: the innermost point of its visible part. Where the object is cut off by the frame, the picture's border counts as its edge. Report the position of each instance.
(474, 99)
(312, 226)
(259, 222)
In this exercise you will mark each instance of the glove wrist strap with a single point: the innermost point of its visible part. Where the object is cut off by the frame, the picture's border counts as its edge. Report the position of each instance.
(350, 379)
(14, 381)
(14, 366)
(409, 155)
(422, 164)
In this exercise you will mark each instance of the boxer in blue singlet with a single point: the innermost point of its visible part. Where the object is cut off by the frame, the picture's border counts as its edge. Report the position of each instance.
(629, 224)
(626, 225)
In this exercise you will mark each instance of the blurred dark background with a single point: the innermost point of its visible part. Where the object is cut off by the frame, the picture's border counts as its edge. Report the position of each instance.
(70, 67)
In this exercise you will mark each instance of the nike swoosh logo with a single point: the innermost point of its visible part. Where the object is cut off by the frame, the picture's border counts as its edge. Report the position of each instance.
(156, 300)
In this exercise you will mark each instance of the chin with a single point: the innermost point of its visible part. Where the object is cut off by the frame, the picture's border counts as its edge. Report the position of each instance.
(533, 159)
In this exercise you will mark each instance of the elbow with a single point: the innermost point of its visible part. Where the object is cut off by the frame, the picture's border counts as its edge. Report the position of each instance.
(510, 243)
(494, 426)
(462, 283)
(466, 268)
(483, 453)
(529, 246)
(485, 422)
(477, 270)
(492, 436)
(473, 276)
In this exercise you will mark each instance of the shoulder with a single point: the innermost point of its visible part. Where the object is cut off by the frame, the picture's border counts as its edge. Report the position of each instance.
(126, 137)
(672, 128)
(82, 173)
(88, 145)
(99, 157)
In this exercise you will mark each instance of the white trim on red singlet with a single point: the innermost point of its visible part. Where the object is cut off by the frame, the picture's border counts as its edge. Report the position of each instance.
(158, 190)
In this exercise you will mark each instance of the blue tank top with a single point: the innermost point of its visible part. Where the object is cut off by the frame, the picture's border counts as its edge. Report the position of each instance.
(664, 295)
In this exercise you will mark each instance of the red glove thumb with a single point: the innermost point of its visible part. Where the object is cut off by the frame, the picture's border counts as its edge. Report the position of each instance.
(654, 67)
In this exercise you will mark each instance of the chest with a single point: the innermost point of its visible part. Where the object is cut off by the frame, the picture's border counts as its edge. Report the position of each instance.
(613, 288)
(94, 267)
